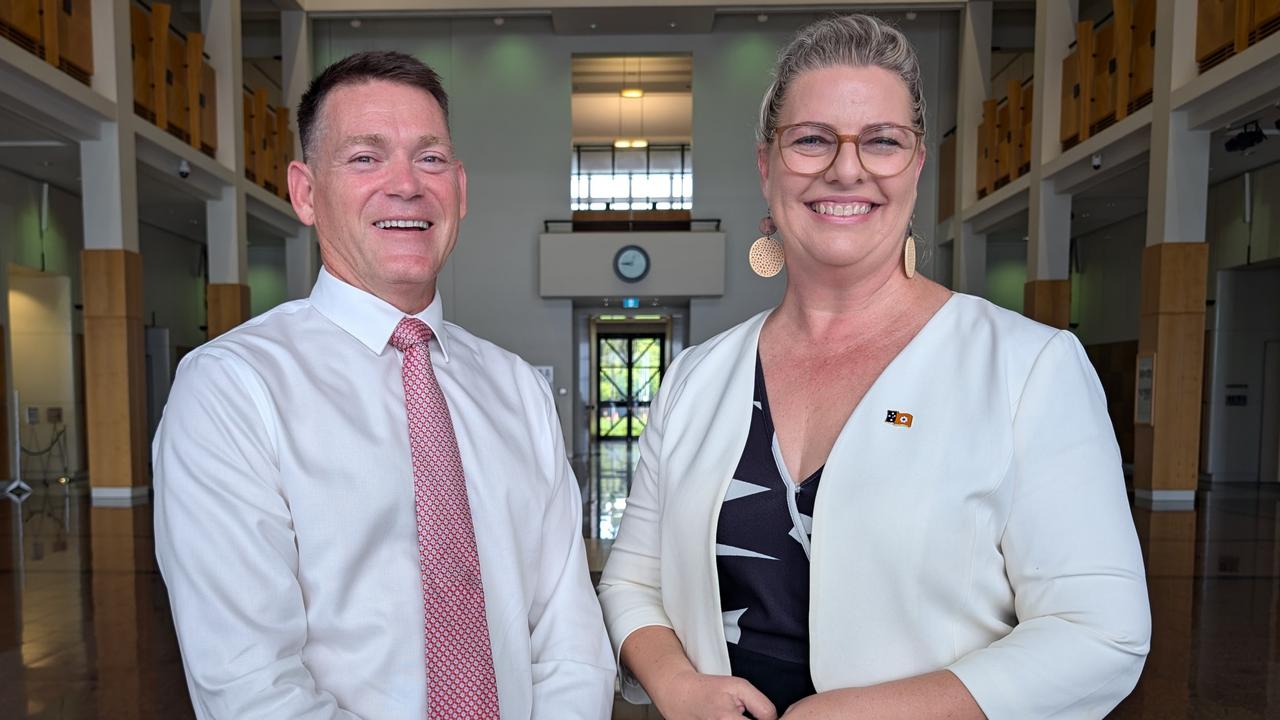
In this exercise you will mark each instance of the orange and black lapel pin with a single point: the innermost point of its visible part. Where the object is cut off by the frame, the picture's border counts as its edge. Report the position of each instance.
(899, 418)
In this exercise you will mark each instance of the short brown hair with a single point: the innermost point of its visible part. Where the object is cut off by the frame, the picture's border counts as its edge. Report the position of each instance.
(361, 68)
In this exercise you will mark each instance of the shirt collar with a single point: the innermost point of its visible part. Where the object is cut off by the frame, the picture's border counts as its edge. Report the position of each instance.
(368, 318)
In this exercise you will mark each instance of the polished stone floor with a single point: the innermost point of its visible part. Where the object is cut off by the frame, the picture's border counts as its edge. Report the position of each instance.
(85, 630)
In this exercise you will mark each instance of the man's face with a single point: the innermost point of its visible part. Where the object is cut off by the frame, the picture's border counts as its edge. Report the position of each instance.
(383, 190)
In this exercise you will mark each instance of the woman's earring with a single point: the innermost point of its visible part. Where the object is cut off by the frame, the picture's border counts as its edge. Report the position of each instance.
(909, 254)
(766, 256)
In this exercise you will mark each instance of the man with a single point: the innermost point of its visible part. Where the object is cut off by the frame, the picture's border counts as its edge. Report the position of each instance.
(362, 510)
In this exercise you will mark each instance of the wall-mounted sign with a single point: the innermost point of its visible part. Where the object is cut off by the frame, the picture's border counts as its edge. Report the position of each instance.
(1144, 391)
(548, 372)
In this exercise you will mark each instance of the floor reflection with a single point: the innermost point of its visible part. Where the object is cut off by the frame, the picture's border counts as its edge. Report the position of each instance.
(610, 466)
(85, 628)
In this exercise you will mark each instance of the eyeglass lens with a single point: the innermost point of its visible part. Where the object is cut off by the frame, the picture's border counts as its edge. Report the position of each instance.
(884, 151)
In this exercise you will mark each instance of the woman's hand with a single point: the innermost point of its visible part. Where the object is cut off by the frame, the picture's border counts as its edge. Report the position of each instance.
(691, 695)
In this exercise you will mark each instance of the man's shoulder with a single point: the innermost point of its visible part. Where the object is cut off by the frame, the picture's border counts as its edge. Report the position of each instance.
(272, 331)
(490, 359)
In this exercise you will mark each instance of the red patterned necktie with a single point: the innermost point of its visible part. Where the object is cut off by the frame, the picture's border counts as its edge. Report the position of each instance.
(460, 680)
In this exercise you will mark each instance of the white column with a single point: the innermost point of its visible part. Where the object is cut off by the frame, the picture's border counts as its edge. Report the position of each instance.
(108, 165)
(969, 261)
(221, 22)
(1178, 184)
(1049, 227)
(225, 215)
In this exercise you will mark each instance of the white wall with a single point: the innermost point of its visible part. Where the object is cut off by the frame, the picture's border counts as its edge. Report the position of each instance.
(22, 242)
(173, 286)
(44, 372)
(1106, 293)
(268, 284)
(1247, 314)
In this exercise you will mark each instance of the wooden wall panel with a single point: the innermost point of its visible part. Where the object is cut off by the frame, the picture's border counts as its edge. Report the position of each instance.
(1048, 302)
(160, 35)
(1215, 30)
(1028, 105)
(1102, 102)
(284, 152)
(21, 23)
(1084, 71)
(1013, 94)
(176, 87)
(250, 140)
(1069, 133)
(262, 162)
(114, 360)
(1123, 13)
(1142, 70)
(228, 306)
(144, 101)
(988, 145)
(208, 109)
(1003, 143)
(1266, 19)
(193, 67)
(75, 39)
(1171, 327)
(269, 160)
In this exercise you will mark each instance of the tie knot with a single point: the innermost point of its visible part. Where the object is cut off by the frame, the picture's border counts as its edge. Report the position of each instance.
(410, 332)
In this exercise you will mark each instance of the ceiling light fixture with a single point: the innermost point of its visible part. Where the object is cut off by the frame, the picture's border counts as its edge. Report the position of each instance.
(1250, 134)
(635, 92)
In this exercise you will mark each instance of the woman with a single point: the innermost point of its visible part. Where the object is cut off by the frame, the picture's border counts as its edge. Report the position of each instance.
(879, 499)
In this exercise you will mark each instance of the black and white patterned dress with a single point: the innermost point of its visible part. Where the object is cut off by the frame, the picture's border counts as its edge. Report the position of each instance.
(762, 558)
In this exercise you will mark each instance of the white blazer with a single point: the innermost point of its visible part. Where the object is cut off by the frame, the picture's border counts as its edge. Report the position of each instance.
(991, 537)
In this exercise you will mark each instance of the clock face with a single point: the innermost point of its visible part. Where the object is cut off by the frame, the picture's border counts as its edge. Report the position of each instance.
(631, 263)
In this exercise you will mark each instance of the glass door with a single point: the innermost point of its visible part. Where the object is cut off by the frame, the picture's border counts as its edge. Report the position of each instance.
(630, 367)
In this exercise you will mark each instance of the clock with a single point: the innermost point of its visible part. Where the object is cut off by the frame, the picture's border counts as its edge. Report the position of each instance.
(631, 263)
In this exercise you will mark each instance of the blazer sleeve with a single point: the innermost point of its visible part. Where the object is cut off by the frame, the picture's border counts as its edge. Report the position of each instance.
(630, 587)
(1071, 556)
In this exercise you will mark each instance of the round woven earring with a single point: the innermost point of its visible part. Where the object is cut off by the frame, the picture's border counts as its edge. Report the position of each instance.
(766, 256)
(909, 254)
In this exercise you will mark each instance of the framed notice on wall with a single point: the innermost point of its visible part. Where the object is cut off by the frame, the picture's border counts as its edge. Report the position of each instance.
(1144, 391)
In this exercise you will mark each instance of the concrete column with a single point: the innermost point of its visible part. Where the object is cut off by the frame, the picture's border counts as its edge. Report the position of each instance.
(1174, 276)
(969, 259)
(1047, 294)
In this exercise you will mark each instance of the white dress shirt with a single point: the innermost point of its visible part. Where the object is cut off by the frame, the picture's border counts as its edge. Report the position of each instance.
(991, 537)
(286, 529)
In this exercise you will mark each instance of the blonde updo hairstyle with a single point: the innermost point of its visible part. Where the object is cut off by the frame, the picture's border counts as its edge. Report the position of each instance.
(852, 40)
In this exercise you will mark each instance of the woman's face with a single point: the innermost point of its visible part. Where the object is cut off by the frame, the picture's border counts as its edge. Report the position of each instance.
(844, 216)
